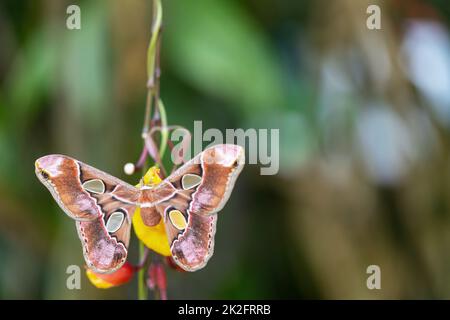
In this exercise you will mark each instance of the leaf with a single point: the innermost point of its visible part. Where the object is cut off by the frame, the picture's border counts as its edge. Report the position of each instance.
(31, 76)
(85, 67)
(218, 48)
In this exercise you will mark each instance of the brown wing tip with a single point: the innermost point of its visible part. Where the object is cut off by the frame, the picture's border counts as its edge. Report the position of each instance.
(227, 155)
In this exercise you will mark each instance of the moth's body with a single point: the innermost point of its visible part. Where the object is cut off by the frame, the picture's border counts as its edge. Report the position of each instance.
(103, 205)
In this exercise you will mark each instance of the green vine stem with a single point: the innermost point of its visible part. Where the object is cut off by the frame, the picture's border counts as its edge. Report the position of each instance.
(153, 75)
(142, 288)
(164, 130)
(153, 46)
(153, 72)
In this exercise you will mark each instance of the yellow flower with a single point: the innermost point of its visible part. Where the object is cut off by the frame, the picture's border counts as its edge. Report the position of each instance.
(154, 237)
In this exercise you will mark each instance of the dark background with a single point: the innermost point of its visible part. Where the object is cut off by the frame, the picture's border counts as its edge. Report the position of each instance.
(364, 120)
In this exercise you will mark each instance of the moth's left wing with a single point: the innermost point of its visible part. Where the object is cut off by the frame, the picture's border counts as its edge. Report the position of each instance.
(101, 204)
(203, 186)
